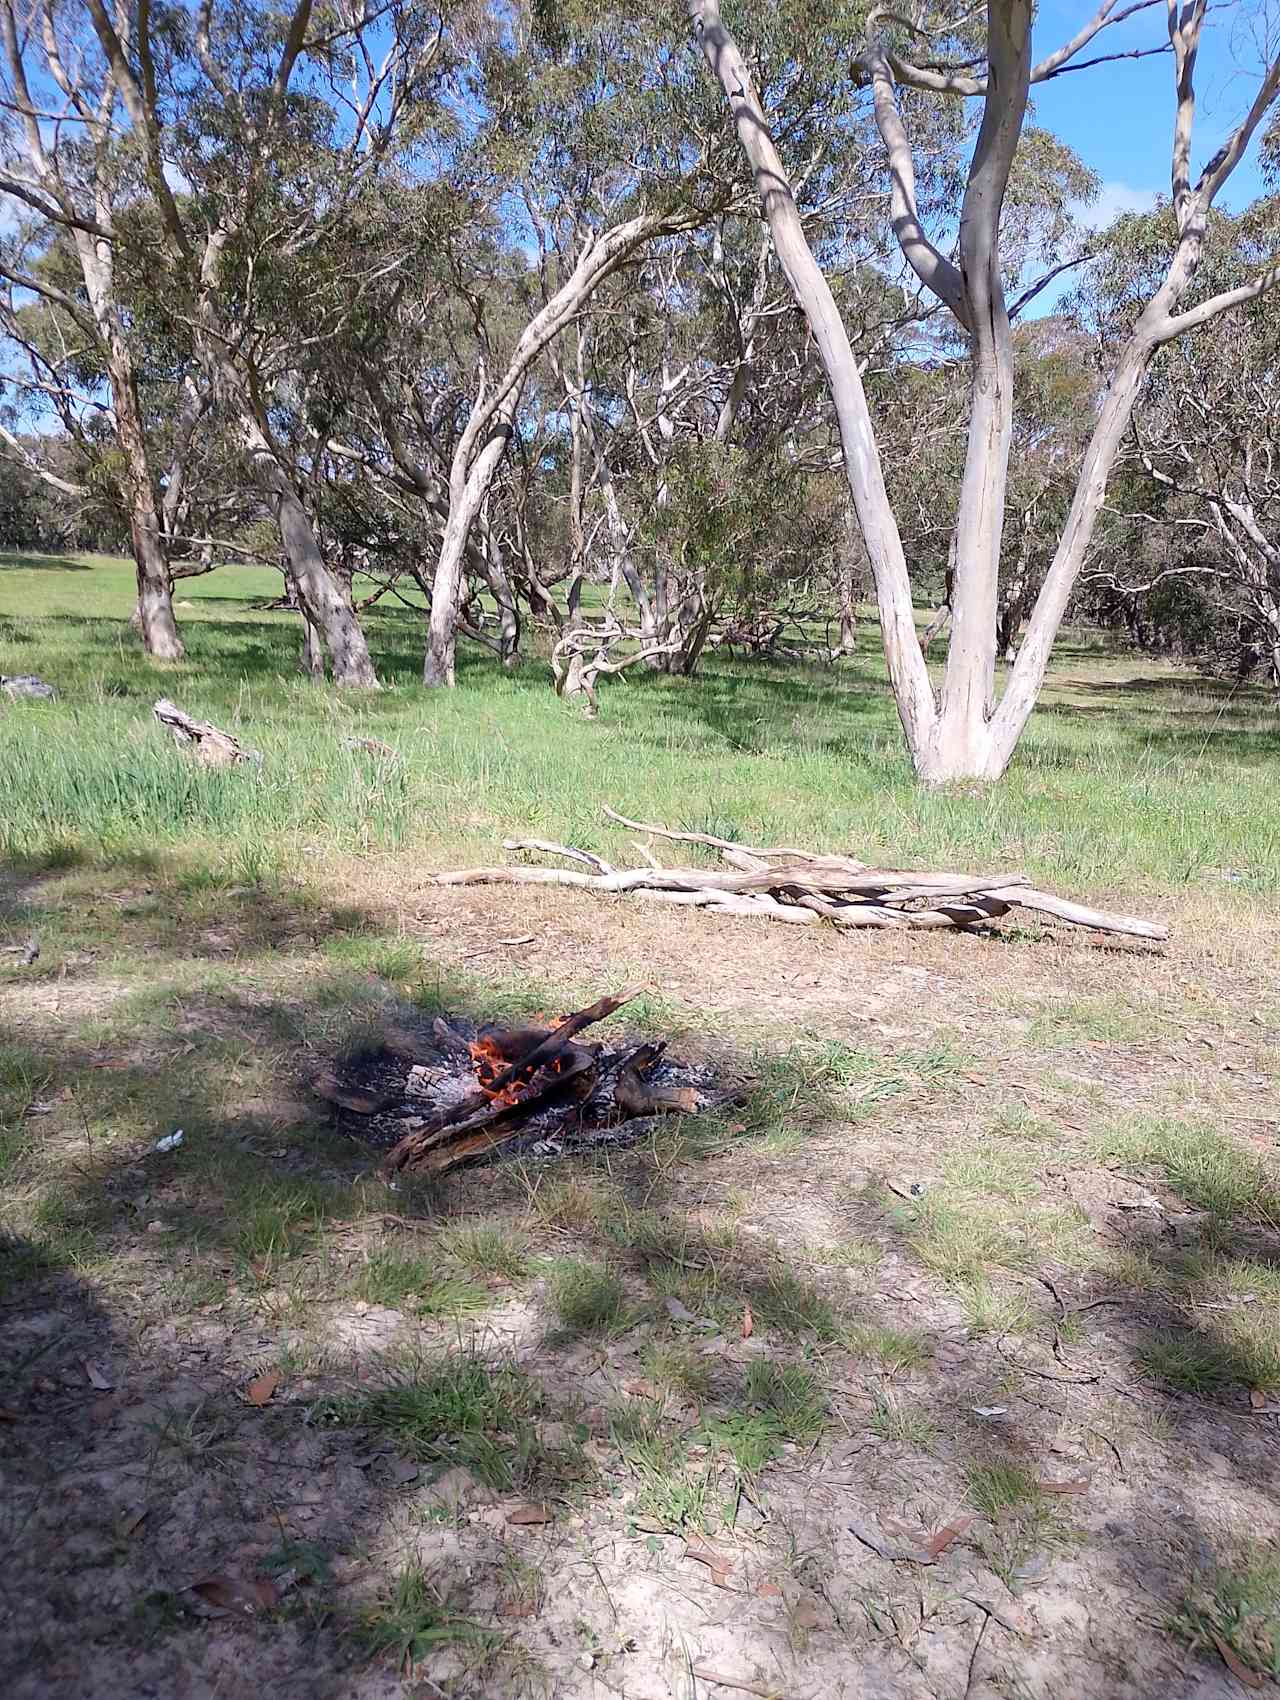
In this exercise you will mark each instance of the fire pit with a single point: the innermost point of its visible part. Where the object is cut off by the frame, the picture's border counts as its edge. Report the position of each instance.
(436, 1094)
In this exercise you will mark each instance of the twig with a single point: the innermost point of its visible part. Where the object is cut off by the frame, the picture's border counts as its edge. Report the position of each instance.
(977, 1647)
(705, 1674)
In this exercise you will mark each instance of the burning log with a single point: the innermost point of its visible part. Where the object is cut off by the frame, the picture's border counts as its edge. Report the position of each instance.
(805, 888)
(518, 1071)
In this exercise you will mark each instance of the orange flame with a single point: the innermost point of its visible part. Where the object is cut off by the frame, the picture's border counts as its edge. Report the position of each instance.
(490, 1064)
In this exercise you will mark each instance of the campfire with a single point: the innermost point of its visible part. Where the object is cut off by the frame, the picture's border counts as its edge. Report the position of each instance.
(448, 1092)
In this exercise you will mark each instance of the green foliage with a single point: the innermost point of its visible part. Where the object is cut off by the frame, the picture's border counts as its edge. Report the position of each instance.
(411, 1621)
(1237, 1607)
(460, 1410)
(586, 1297)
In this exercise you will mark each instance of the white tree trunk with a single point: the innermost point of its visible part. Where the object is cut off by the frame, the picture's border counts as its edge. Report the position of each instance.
(908, 674)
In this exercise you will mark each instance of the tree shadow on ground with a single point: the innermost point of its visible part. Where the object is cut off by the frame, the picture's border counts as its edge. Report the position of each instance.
(615, 1290)
(42, 564)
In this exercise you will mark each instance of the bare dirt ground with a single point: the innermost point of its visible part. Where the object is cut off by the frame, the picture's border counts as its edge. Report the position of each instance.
(949, 1369)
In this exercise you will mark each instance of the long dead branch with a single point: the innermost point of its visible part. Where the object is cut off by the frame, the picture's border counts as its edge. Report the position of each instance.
(806, 888)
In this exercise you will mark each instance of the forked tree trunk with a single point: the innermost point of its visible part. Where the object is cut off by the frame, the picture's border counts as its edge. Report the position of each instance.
(908, 674)
(484, 440)
(469, 481)
(849, 571)
(503, 593)
(312, 661)
(962, 738)
(320, 596)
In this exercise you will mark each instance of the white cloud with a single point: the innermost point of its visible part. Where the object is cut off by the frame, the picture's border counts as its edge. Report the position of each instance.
(1113, 199)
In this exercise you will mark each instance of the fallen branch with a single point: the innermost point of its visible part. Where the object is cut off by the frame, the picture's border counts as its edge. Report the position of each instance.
(207, 743)
(804, 887)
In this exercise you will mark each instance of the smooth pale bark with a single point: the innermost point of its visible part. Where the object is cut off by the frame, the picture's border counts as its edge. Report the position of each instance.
(468, 486)
(962, 737)
(155, 589)
(912, 690)
(484, 441)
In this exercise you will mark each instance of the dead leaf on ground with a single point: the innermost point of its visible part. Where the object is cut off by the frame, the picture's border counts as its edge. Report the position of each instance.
(243, 1597)
(530, 1513)
(938, 1542)
(768, 1591)
(1258, 1399)
(748, 1322)
(716, 1562)
(806, 1615)
(1073, 1484)
(97, 1376)
(259, 1392)
(640, 1389)
(9, 1415)
(523, 1607)
(924, 1548)
(1235, 1664)
(131, 1522)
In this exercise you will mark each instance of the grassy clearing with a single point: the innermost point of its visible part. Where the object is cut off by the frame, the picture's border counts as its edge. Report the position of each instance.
(1210, 1171)
(685, 1337)
(452, 1412)
(1118, 781)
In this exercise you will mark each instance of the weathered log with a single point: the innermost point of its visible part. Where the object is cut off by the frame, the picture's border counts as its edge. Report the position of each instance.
(818, 875)
(805, 887)
(206, 742)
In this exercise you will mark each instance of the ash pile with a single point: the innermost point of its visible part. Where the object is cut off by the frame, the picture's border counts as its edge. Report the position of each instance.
(435, 1094)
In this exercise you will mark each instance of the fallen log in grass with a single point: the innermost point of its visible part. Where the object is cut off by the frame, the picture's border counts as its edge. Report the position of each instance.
(802, 887)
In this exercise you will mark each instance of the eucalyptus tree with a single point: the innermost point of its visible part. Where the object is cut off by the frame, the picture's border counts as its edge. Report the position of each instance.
(963, 732)
(257, 133)
(1204, 456)
(66, 162)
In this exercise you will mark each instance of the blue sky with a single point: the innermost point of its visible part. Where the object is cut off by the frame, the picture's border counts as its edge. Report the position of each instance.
(1119, 117)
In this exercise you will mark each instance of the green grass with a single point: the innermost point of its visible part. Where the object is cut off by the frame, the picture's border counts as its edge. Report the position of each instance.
(791, 1396)
(417, 1284)
(894, 1348)
(898, 1417)
(1209, 1169)
(1025, 1523)
(586, 1298)
(1149, 783)
(1238, 1607)
(411, 1621)
(669, 1486)
(460, 1410)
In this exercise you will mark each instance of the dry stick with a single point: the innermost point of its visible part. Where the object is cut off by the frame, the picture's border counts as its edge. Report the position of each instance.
(596, 862)
(822, 874)
(706, 838)
(704, 1673)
